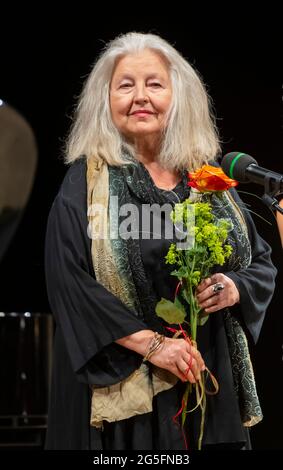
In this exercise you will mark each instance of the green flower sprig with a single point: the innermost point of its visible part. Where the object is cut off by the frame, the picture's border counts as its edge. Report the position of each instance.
(209, 248)
(192, 265)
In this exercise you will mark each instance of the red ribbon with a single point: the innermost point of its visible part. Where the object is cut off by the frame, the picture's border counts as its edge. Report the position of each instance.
(176, 422)
(177, 288)
(179, 412)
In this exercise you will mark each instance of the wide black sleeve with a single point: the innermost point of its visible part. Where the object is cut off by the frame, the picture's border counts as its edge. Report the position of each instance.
(89, 316)
(256, 283)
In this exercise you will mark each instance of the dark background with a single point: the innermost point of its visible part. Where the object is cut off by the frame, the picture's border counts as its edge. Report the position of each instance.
(44, 62)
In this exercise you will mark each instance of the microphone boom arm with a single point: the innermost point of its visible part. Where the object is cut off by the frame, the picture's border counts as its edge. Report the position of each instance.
(272, 186)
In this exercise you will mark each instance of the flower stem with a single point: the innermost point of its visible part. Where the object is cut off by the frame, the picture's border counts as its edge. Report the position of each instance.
(193, 314)
(185, 403)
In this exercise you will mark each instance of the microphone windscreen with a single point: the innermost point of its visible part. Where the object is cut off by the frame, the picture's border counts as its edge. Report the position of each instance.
(234, 165)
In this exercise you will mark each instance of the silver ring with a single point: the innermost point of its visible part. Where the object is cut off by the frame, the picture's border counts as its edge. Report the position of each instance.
(217, 287)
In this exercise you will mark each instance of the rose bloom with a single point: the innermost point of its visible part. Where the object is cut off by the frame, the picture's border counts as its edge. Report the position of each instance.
(210, 178)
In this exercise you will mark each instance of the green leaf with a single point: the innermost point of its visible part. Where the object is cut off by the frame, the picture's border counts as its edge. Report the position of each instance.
(202, 319)
(178, 304)
(170, 312)
(182, 272)
(186, 296)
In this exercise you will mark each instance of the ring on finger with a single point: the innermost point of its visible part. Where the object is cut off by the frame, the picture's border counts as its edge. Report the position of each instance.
(218, 287)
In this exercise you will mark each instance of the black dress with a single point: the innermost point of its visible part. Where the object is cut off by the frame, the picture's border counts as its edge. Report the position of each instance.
(89, 319)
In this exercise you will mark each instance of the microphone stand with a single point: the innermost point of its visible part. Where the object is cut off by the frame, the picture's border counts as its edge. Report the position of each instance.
(272, 186)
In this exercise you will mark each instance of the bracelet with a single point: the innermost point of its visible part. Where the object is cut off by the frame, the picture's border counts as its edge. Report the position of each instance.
(154, 345)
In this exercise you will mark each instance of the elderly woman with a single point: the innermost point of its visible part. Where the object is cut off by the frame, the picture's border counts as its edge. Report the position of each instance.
(142, 121)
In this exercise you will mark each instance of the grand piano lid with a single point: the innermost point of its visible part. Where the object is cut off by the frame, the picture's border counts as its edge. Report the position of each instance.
(18, 158)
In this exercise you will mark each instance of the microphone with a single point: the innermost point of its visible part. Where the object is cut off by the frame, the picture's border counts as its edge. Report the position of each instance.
(244, 168)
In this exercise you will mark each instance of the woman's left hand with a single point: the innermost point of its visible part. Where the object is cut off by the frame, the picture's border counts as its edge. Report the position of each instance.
(217, 292)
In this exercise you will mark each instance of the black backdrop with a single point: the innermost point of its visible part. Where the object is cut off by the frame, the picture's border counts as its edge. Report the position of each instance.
(44, 62)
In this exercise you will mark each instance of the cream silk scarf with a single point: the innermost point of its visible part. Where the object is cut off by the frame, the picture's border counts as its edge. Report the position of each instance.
(133, 396)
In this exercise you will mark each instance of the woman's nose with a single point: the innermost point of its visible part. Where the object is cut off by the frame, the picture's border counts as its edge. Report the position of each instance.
(141, 95)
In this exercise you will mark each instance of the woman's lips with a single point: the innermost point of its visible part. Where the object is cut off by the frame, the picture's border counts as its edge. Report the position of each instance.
(142, 112)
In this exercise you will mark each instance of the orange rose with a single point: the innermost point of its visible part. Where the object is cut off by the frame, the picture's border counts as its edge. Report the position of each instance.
(210, 178)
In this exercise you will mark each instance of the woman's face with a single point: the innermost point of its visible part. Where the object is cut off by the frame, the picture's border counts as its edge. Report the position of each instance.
(140, 95)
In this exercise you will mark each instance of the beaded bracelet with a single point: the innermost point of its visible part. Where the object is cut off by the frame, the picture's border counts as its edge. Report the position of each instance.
(154, 345)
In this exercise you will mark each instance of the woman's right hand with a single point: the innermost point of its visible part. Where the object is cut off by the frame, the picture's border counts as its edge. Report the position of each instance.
(180, 358)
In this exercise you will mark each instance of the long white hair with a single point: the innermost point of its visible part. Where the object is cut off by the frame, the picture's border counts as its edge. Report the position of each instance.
(190, 137)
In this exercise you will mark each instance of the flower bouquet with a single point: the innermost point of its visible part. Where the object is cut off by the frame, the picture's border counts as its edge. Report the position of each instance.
(193, 263)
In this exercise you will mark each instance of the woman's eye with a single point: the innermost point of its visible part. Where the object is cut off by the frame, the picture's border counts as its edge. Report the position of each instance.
(155, 84)
(125, 85)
